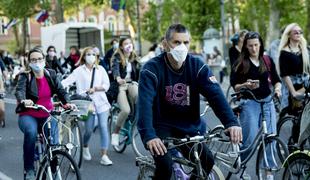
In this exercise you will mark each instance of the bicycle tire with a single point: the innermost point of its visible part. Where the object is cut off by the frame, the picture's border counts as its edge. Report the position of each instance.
(49, 166)
(281, 154)
(229, 91)
(146, 172)
(137, 143)
(112, 123)
(77, 151)
(216, 174)
(297, 168)
(79, 143)
(284, 129)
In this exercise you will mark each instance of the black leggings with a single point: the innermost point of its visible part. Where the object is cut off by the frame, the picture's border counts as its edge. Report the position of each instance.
(164, 163)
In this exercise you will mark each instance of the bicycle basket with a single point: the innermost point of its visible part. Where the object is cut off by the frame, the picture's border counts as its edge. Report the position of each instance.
(85, 109)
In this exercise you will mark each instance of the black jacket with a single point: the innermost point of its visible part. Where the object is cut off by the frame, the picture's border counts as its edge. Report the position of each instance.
(27, 88)
(54, 64)
(119, 70)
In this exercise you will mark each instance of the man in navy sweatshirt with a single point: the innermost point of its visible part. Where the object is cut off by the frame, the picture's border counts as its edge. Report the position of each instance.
(169, 103)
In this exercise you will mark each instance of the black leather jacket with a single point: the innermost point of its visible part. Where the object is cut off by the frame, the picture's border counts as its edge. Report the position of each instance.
(119, 70)
(27, 88)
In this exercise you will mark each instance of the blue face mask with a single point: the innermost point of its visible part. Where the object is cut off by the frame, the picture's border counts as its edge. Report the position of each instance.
(37, 67)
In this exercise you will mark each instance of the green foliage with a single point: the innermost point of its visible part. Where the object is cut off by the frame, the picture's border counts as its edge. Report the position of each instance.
(149, 25)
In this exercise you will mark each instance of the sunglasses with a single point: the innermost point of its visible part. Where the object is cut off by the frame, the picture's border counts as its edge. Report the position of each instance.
(296, 32)
(89, 54)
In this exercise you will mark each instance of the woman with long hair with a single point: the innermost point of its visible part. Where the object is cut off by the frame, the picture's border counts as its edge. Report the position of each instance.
(294, 69)
(251, 72)
(89, 71)
(125, 69)
(36, 86)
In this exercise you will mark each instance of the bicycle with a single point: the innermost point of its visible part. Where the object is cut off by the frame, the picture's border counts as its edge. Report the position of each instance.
(128, 134)
(52, 161)
(231, 159)
(297, 165)
(182, 167)
(288, 123)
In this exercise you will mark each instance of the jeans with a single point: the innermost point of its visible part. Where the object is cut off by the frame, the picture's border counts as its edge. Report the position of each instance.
(164, 163)
(103, 127)
(250, 120)
(30, 126)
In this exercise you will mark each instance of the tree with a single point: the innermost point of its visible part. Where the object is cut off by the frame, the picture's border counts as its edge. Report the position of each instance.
(21, 10)
(150, 29)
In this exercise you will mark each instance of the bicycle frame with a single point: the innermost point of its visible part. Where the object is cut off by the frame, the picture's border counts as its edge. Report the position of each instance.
(235, 167)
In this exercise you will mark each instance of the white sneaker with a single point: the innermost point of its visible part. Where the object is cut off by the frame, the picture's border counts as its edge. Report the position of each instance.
(269, 177)
(86, 154)
(105, 160)
(115, 139)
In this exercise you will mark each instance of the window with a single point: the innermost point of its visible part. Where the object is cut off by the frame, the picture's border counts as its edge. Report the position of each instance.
(111, 24)
(92, 19)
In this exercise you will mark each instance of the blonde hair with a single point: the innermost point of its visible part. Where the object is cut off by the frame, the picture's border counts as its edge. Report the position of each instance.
(285, 40)
(82, 58)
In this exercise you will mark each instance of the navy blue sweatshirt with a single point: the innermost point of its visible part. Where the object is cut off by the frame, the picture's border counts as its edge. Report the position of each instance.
(169, 98)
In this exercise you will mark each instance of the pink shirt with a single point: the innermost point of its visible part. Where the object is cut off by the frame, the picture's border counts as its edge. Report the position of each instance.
(44, 93)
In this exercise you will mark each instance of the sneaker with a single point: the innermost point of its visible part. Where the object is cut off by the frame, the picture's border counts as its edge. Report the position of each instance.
(86, 154)
(30, 175)
(105, 160)
(269, 177)
(115, 139)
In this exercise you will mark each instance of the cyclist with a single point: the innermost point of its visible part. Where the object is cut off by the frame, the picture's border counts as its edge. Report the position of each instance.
(36, 85)
(73, 58)
(51, 60)
(124, 69)
(251, 71)
(83, 77)
(294, 70)
(168, 101)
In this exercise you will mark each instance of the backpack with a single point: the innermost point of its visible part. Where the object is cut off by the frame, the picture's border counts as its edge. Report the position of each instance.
(267, 62)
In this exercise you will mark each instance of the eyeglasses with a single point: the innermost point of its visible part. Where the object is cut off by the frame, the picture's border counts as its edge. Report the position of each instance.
(296, 32)
(33, 60)
(89, 54)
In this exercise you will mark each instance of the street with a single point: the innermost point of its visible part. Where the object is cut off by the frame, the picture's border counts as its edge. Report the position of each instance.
(11, 143)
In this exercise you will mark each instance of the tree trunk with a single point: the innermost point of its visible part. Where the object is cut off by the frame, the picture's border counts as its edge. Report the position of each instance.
(274, 18)
(15, 31)
(308, 22)
(59, 12)
(24, 34)
(232, 13)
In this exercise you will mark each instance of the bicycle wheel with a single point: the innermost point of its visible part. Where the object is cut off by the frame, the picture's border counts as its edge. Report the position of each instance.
(60, 166)
(74, 136)
(137, 143)
(229, 91)
(146, 172)
(284, 129)
(276, 153)
(297, 168)
(122, 135)
(216, 174)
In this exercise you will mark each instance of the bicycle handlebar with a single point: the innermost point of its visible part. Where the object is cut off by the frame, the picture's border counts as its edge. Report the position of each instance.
(53, 112)
(243, 91)
(171, 143)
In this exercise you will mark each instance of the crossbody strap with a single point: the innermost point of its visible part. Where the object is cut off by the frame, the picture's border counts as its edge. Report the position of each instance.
(92, 78)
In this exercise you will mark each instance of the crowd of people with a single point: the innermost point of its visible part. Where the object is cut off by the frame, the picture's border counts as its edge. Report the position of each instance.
(164, 87)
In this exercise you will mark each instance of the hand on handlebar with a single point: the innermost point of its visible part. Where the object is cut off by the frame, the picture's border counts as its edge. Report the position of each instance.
(27, 102)
(235, 133)
(156, 146)
(70, 106)
(252, 84)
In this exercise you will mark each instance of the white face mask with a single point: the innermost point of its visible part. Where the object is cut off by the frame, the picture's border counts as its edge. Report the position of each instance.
(128, 48)
(90, 59)
(179, 53)
(37, 67)
(51, 53)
